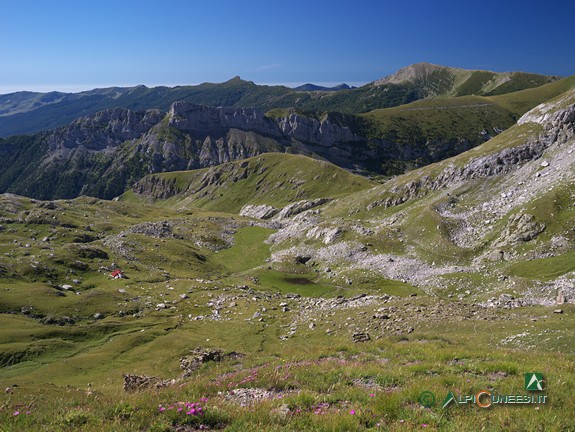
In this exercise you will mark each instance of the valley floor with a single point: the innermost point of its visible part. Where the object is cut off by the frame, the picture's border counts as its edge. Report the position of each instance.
(277, 353)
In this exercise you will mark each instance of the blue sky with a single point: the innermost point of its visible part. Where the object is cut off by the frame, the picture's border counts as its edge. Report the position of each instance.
(81, 44)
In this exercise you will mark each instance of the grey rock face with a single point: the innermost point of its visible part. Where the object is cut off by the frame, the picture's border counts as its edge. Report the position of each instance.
(310, 130)
(235, 145)
(198, 118)
(105, 129)
(327, 235)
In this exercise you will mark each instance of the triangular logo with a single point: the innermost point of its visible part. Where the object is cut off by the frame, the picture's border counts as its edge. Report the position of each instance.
(534, 381)
(448, 399)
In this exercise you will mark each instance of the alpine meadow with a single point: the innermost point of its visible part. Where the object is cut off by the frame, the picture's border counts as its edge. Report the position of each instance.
(392, 256)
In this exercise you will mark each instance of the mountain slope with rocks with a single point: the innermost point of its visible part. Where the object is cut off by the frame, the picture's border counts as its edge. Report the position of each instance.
(492, 207)
(281, 292)
(467, 225)
(273, 179)
(106, 153)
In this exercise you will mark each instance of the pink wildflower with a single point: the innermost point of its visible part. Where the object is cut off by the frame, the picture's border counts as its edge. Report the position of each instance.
(352, 412)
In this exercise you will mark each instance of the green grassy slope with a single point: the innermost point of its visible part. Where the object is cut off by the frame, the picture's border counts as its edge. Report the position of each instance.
(464, 117)
(275, 179)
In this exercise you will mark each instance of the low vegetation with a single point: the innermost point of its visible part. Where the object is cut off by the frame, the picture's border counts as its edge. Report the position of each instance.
(349, 305)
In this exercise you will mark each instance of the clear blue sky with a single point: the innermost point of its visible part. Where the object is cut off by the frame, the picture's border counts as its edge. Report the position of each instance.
(80, 44)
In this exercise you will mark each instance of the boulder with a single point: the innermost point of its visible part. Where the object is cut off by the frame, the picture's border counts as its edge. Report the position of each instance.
(300, 206)
(199, 356)
(361, 337)
(262, 211)
(134, 383)
(520, 228)
(496, 255)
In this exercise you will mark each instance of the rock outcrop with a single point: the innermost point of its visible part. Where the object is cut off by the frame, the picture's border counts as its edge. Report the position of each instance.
(199, 356)
(262, 211)
(299, 207)
(321, 133)
(520, 228)
(265, 211)
(133, 383)
(205, 120)
(105, 129)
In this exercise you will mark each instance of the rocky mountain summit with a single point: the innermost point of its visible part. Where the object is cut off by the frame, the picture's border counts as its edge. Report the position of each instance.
(435, 80)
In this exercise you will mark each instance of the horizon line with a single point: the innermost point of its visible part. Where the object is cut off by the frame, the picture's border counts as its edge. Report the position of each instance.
(78, 88)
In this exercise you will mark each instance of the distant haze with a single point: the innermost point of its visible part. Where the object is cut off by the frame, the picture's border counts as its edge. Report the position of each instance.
(75, 88)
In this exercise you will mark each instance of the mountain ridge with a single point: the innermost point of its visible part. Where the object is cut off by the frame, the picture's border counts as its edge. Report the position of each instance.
(437, 80)
(314, 87)
(28, 112)
(105, 153)
(274, 178)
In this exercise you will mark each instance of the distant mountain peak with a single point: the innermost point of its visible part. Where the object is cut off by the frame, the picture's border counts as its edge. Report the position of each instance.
(237, 78)
(431, 80)
(412, 72)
